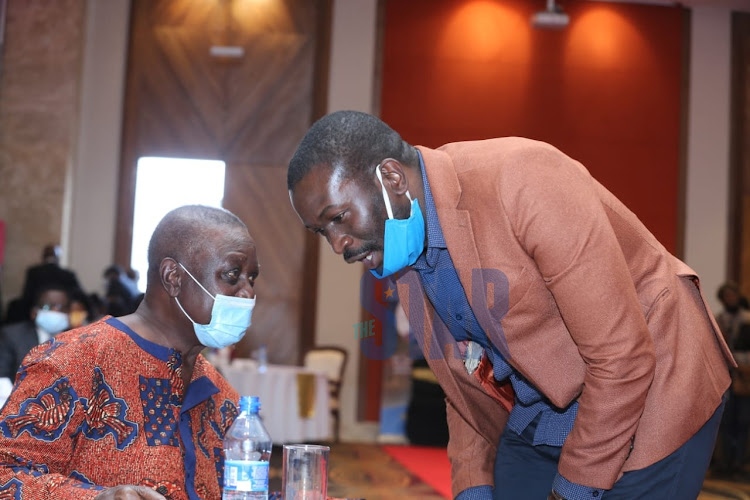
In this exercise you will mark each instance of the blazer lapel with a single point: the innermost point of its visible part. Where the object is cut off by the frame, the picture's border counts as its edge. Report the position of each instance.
(455, 223)
(458, 232)
(459, 236)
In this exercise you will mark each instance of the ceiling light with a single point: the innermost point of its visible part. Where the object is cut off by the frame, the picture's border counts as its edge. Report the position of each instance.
(551, 18)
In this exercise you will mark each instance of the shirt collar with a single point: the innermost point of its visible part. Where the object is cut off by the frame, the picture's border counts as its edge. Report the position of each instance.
(435, 237)
(154, 349)
(201, 386)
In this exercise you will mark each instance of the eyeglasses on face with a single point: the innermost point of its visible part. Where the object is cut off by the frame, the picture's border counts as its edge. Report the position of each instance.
(52, 306)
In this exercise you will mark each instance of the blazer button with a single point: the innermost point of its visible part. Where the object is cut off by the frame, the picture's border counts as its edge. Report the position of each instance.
(459, 317)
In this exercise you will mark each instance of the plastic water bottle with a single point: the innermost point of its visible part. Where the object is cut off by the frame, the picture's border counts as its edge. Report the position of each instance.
(247, 452)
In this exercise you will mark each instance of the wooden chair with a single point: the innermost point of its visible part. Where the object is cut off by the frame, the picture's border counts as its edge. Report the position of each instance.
(330, 360)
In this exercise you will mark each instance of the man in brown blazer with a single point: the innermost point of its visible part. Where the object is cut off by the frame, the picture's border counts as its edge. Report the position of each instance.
(578, 356)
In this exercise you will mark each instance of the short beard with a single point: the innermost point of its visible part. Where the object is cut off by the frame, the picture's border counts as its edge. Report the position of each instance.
(376, 232)
(369, 246)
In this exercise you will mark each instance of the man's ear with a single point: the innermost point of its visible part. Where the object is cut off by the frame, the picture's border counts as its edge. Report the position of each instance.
(394, 176)
(171, 277)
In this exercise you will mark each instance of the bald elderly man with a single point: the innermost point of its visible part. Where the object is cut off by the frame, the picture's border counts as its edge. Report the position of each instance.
(127, 408)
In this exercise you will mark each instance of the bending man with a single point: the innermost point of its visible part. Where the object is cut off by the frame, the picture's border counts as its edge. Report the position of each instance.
(550, 315)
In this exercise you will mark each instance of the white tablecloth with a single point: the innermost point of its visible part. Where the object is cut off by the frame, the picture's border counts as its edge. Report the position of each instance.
(277, 389)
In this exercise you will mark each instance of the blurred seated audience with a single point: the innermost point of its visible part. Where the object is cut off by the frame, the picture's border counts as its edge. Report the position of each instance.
(16, 311)
(81, 311)
(49, 272)
(49, 316)
(734, 322)
(734, 314)
(122, 295)
(128, 407)
(98, 306)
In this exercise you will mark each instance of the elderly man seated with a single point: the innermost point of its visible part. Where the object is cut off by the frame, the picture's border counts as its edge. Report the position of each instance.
(127, 408)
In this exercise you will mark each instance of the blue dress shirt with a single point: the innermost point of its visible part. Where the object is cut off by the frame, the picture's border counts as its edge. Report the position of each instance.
(444, 290)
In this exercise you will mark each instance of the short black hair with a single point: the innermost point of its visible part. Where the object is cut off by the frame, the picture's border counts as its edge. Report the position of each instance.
(78, 295)
(50, 287)
(179, 234)
(351, 141)
(726, 287)
(113, 269)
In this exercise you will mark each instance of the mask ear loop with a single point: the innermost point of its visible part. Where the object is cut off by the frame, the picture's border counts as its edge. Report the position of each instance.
(183, 311)
(198, 282)
(387, 199)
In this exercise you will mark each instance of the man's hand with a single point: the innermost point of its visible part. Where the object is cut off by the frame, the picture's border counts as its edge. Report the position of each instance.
(129, 493)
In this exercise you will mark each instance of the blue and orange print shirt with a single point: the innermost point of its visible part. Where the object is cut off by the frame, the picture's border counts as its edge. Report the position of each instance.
(101, 406)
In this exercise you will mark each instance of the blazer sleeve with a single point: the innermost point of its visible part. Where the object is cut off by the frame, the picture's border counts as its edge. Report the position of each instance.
(471, 455)
(560, 220)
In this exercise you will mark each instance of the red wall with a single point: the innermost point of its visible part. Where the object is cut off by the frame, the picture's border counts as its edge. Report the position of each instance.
(605, 90)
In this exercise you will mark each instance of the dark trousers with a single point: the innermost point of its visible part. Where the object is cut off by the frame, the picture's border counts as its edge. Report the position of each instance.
(526, 472)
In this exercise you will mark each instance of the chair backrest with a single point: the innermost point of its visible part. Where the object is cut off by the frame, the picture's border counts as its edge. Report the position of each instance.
(330, 360)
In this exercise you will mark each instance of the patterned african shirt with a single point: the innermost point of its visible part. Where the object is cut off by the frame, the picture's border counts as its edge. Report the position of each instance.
(101, 406)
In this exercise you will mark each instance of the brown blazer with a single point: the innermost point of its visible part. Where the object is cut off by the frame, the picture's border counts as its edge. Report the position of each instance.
(597, 310)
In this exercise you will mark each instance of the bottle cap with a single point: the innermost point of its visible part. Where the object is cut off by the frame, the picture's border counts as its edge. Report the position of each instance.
(249, 404)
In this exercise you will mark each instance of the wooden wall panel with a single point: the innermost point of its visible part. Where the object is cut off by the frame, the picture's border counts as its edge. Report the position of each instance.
(250, 112)
(739, 229)
(606, 90)
(260, 194)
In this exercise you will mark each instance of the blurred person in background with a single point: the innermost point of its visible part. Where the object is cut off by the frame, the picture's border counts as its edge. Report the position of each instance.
(734, 321)
(49, 272)
(734, 311)
(49, 317)
(81, 312)
(121, 293)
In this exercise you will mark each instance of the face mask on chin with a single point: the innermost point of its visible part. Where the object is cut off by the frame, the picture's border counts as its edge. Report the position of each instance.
(52, 322)
(77, 318)
(403, 241)
(230, 318)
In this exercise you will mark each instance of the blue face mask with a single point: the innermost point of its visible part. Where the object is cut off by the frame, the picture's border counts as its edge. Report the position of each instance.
(403, 242)
(230, 319)
(52, 322)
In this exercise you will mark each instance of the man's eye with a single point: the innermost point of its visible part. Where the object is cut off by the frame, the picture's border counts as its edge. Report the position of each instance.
(234, 274)
(338, 217)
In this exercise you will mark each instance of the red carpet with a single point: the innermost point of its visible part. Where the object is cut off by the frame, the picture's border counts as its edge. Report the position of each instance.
(429, 464)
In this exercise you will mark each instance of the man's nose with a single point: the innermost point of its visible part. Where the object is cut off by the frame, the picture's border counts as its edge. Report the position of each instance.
(247, 291)
(340, 242)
